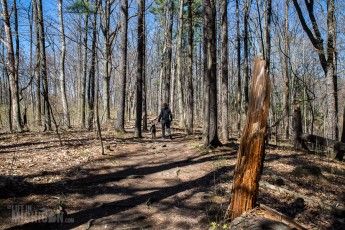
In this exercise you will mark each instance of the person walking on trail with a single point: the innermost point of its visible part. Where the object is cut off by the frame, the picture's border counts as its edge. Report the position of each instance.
(166, 117)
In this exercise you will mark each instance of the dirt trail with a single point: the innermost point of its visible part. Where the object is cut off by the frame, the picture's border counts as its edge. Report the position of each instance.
(147, 184)
(140, 183)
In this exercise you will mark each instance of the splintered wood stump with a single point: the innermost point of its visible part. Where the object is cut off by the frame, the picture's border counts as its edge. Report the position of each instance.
(252, 147)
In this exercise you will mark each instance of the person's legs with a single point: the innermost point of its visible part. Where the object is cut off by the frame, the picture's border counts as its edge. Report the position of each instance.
(168, 128)
(163, 129)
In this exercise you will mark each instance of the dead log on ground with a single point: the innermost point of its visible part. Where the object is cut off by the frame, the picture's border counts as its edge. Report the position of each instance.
(338, 147)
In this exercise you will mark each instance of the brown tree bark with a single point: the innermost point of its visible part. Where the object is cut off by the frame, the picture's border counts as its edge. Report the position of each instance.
(120, 118)
(225, 75)
(247, 7)
(92, 74)
(37, 66)
(139, 80)
(43, 66)
(179, 68)
(239, 95)
(11, 67)
(62, 68)
(252, 147)
(286, 71)
(211, 73)
(190, 92)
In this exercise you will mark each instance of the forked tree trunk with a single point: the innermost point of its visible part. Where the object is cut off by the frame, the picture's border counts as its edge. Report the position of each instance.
(251, 152)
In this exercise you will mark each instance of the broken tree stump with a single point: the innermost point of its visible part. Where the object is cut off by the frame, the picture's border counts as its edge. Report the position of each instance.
(251, 152)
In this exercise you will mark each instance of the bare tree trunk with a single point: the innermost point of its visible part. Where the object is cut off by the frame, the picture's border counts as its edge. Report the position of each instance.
(144, 74)
(92, 75)
(252, 147)
(179, 68)
(120, 118)
(225, 76)
(211, 73)
(62, 68)
(286, 71)
(11, 67)
(246, 53)
(106, 60)
(167, 65)
(43, 66)
(83, 82)
(190, 102)
(139, 82)
(37, 66)
(207, 72)
(239, 97)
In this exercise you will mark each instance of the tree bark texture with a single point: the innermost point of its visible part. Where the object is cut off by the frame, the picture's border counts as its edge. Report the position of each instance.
(92, 75)
(11, 67)
(139, 80)
(62, 68)
(225, 75)
(120, 118)
(251, 152)
(211, 72)
(190, 93)
(238, 47)
(43, 66)
(179, 68)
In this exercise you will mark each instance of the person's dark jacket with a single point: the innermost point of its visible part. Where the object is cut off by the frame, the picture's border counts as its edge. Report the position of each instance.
(165, 115)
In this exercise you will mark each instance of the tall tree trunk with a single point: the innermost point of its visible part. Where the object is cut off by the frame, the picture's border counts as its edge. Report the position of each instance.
(211, 73)
(225, 76)
(11, 67)
(332, 118)
(179, 68)
(92, 75)
(106, 60)
(37, 66)
(120, 118)
(83, 82)
(268, 35)
(252, 147)
(62, 68)
(207, 72)
(190, 102)
(139, 82)
(246, 53)
(144, 74)
(286, 71)
(167, 64)
(239, 97)
(43, 66)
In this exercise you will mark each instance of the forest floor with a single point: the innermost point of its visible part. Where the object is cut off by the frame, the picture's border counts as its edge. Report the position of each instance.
(150, 184)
